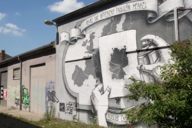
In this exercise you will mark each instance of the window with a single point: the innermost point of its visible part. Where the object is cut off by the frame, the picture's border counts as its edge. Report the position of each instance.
(16, 74)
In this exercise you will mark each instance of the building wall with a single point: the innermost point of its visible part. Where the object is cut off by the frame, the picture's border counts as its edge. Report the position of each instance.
(48, 62)
(108, 54)
(13, 87)
(3, 82)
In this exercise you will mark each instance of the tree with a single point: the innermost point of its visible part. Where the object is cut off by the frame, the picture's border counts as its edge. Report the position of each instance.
(168, 103)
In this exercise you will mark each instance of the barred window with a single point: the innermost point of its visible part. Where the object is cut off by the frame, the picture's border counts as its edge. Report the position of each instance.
(16, 74)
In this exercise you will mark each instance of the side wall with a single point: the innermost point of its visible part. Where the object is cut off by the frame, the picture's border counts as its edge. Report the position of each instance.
(3, 82)
(48, 64)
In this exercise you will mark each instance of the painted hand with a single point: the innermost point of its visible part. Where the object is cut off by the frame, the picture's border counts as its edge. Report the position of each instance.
(100, 101)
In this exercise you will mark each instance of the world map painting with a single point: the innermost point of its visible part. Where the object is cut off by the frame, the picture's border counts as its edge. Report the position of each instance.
(118, 61)
(79, 75)
(115, 61)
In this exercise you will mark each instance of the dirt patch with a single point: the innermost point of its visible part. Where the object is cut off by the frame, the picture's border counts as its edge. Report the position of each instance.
(11, 122)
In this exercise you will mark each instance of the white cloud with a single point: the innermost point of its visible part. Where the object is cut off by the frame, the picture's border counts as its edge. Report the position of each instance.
(12, 29)
(2, 15)
(66, 6)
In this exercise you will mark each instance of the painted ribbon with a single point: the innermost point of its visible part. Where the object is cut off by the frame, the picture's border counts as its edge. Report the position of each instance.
(166, 8)
(155, 11)
(119, 119)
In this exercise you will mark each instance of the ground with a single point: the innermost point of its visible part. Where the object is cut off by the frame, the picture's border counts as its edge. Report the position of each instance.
(11, 122)
(12, 118)
(7, 121)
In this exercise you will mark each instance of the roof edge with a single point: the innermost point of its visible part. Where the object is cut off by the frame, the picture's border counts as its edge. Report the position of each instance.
(34, 53)
(87, 10)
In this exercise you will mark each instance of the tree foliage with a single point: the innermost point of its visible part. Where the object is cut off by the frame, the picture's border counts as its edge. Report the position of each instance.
(169, 103)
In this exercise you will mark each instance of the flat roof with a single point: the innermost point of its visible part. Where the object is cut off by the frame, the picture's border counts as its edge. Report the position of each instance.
(38, 52)
(87, 10)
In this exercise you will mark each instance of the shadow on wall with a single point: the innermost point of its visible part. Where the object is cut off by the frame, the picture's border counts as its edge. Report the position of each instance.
(11, 122)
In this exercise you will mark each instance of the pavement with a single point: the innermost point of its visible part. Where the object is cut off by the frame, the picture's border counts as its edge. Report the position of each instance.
(12, 122)
(21, 114)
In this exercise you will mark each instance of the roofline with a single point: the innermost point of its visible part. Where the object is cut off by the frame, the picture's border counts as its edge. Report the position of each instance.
(38, 52)
(87, 10)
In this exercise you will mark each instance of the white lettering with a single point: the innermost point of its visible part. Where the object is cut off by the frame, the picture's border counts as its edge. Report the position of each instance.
(107, 14)
(117, 118)
(139, 6)
(121, 9)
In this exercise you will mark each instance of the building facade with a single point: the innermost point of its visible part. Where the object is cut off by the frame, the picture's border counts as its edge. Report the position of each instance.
(85, 76)
(3, 78)
(25, 79)
(104, 44)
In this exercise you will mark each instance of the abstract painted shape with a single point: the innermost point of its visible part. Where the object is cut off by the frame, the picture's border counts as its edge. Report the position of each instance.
(118, 61)
(79, 76)
(89, 68)
(89, 43)
(112, 26)
(97, 64)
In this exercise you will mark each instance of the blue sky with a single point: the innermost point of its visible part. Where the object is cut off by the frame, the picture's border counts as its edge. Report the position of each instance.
(21, 22)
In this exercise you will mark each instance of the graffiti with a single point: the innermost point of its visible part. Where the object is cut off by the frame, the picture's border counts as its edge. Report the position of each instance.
(68, 108)
(5, 94)
(62, 107)
(25, 97)
(17, 101)
(50, 92)
(52, 97)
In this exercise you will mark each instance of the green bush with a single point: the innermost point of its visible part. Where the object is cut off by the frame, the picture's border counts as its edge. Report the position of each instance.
(168, 103)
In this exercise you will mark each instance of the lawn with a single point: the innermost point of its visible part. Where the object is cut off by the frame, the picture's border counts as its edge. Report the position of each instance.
(8, 121)
(56, 123)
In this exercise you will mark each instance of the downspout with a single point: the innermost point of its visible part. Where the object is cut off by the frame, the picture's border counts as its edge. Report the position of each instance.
(21, 88)
(176, 25)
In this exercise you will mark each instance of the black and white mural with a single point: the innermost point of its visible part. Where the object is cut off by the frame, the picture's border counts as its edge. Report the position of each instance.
(94, 72)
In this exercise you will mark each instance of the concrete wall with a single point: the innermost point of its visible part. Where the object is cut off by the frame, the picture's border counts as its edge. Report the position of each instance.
(3, 81)
(14, 85)
(86, 81)
(91, 59)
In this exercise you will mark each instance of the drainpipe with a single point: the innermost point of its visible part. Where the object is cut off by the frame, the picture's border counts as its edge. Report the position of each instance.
(176, 24)
(21, 88)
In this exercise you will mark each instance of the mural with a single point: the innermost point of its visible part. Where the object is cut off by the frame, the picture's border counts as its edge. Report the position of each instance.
(14, 94)
(25, 97)
(5, 94)
(120, 42)
(151, 61)
(67, 108)
(51, 97)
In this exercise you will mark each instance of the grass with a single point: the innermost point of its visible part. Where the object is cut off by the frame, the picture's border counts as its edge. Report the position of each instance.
(9, 121)
(57, 123)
